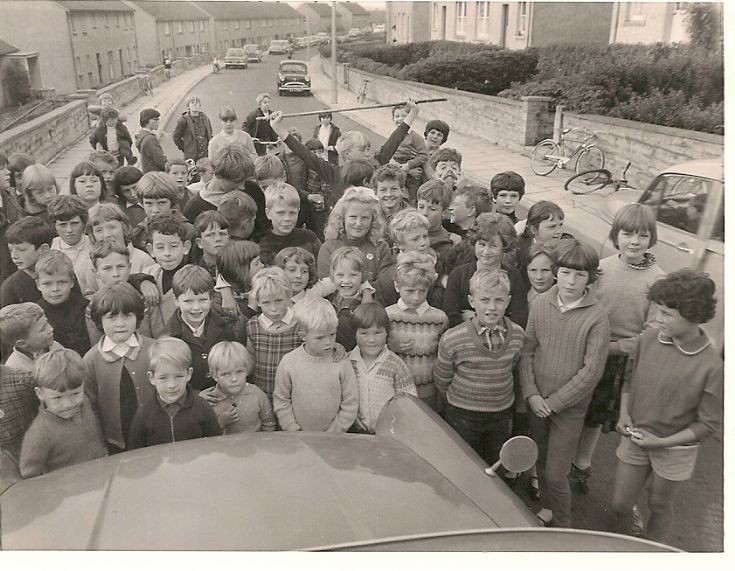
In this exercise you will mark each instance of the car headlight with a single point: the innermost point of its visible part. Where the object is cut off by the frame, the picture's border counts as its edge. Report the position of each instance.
(307, 78)
(281, 78)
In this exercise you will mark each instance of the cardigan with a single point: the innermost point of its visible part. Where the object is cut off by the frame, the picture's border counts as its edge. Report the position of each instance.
(160, 314)
(564, 353)
(471, 375)
(378, 256)
(334, 135)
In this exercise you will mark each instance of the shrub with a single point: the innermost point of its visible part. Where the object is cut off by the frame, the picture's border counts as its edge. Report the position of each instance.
(18, 84)
(704, 22)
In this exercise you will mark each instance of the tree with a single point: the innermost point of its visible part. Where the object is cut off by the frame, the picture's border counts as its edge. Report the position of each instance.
(18, 83)
(704, 21)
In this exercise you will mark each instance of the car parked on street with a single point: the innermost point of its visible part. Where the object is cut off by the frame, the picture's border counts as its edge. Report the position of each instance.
(279, 47)
(253, 53)
(353, 32)
(235, 57)
(293, 77)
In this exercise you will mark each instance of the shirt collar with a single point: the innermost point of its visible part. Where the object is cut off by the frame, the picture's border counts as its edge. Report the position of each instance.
(83, 243)
(196, 331)
(421, 309)
(267, 322)
(482, 329)
(128, 348)
(298, 297)
(696, 345)
(564, 308)
(356, 356)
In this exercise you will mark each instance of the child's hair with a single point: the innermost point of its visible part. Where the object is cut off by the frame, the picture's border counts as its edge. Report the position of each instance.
(540, 211)
(109, 212)
(689, 292)
(17, 163)
(204, 163)
(106, 95)
(259, 98)
(510, 181)
(166, 225)
(538, 249)
(3, 160)
(205, 220)
(224, 354)
(357, 172)
(66, 207)
(103, 248)
(157, 185)
(175, 161)
(440, 126)
(350, 140)
(169, 350)
(491, 224)
(400, 106)
(315, 315)
(436, 192)
(445, 154)
(270, 281)
(30, 230)
(415, 268)
(194, 278)
(490, 279)
(477, 197)
(269, 166)
(233, 262)
(388, 172)
(227, 112)
(576, 255)
(335, 227)
(325, 114)
(634, 218)
(314, 145)
(59, 370)
(406, 220)
(281, 191)
(349, 254)
(104, 157)
(233, 163)
(371, 314)
(37, 175)
(193, 98)
(125, 176)
(16, 321)
(237, 206)
(86, 168)
(109, 113)
(55, 262)
(300, 256)
(114, 299)
(296, 133)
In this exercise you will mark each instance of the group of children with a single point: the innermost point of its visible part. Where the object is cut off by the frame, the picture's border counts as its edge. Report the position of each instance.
(147, 312)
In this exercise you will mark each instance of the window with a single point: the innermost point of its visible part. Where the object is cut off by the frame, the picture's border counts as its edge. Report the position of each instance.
(461, 17)
(89, 61)
(435, 15)
(94, 20)
(117, 19)
(84, 24)
(73, 22)
(522, 18)
(483, 13)
(264, 23)
(110, 64)
(634, 12)
(237, 24)
(78, 65)
(132, 22)
(247, 24)
(179, 27)
(107, 23)
(167, 28)
(224, 25)
(191, 26)
(270, 22)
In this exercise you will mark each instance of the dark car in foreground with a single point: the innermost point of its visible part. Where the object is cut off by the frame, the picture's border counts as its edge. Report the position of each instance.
(293, 77)
(414, 485)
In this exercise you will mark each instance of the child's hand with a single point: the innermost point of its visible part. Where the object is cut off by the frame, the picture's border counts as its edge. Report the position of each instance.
(229, 305)
(399, 346)
(645, 439)
(413, 112)
(415, 172)
(538, 406)
(229, 415)
(209, 396)
(276, 121)
(624, 423)
(150, 293)
(338, 353)
(467, 314)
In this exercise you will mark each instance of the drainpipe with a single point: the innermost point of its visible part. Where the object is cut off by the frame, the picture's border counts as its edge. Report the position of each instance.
(73, 54)
(614, 27)
(529, 25)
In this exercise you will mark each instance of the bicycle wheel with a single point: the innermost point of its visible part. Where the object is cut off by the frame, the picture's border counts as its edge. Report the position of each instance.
(541, 161)
(592, 158)
(588, 181)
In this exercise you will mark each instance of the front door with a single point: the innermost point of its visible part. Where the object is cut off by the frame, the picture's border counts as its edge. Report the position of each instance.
(444, 22)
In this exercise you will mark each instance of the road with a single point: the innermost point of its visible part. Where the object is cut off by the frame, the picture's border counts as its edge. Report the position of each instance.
(699, 505)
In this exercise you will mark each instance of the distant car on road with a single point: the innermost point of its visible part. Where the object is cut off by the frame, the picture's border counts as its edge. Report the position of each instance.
(353, 32)
(323, 37)
(279, 47)
(235, 57)
(293, 77)
(253, 53)
(379, 29)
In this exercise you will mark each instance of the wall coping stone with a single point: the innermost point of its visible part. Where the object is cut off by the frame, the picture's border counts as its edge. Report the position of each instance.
(39, 121)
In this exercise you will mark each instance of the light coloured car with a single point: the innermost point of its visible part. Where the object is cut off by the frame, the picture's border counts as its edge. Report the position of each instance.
(353, 32)
(235, 57)
(253, 53)
(279, 47)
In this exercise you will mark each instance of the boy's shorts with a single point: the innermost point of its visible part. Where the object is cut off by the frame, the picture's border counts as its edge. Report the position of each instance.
(675, 463)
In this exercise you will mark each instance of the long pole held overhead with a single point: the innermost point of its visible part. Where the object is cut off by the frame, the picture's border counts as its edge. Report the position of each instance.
(334, 53)
(359, 108)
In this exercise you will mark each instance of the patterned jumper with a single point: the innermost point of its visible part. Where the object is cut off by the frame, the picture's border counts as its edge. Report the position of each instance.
(269, 348)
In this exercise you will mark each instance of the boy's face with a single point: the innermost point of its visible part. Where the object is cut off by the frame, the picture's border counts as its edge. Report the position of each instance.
(113, 269)
(347, 278)
(119, 326)
(357, 153)
(111, 229)
(549, 231)
(571, 283)
(195, 106)
(447, 171)
(128, 193)
(389, 193)
(371, 340)
(459, 212)
(111, 122)
(489, 253)
(671, 323)
(283, 216)
(88, 187)
(413, 295)
(194, 306)
(70, 231)
(320, 342)
(25, 255)
(4, 178)
(434, 138)
(213, 239)
(416, 240)
(399, 115)
(489, 305)
(40, 337)
(168, 250)
(106, 102)
(206, 174)
(180, 175)
(54, 288)
(298, 275)
(170, 381)
(541, 273)
(41, 196)
(507, 201)
(633, 245)
(64, 404)
(274, 306)
(432, 211)
(107, 170)
(358, 220)
(155, 206)
(232, 378)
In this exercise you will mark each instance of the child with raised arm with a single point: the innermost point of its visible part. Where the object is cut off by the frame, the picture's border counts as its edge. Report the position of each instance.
(312, 391)
(411, 154)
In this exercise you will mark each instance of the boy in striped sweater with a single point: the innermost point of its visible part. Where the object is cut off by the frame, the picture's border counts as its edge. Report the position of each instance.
(474, 368)
(416, 326)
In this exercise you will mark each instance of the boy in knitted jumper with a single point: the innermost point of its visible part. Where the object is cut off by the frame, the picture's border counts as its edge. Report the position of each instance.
(313, 392)
(66, 430)
(474, 369)
(416, 327)
(562, 361)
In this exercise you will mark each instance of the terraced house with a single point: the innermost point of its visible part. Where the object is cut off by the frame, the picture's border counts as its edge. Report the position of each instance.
(319, 17)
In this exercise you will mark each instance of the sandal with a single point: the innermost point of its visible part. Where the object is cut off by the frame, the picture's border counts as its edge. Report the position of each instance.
(533, 488)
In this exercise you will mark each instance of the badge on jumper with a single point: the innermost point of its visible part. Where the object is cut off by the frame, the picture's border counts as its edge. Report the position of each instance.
(369, 257)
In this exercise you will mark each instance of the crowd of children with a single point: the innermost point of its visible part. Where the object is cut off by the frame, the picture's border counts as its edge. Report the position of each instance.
(302, 291)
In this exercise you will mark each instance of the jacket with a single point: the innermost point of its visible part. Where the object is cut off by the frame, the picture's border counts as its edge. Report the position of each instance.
(260, 130)
(99, 135)
(334, 134)
(152, 157)
(184, 135)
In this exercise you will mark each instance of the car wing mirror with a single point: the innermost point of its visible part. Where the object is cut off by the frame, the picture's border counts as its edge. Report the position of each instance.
(518, 454)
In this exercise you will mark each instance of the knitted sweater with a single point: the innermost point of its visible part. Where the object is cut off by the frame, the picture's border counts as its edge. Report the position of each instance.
(685, 393)
(300, 237)
(424, 327)
(238, 138)
(268, 348)
(622, 290)
(564, 353)
(52, 442)
(19, 288)
(314, 393)
(472, 376)
(254, 410)
(69, 322)
(412, 150)
(378, 256)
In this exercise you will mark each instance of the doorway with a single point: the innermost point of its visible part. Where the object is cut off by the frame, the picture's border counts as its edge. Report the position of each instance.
(444, 23)
(504, 26)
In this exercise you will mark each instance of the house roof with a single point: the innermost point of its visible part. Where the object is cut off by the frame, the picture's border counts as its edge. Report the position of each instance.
(172, 10)
(323, 10)
(247, 10)
(356, 9)
(94, 6)
(6, 48)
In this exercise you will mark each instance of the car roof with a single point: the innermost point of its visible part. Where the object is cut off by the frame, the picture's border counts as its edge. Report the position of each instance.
(298, 61)
(705, 168)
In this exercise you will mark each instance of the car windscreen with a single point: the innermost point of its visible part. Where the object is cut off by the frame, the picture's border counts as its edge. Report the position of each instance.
(251, 47)
(235, 53)
(293, 68)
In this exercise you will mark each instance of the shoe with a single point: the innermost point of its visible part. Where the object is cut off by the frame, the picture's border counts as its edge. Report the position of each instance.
(546, 516)
(510, 478)
(580, 477)
(133, 161)
(636, 528)
(533, 488)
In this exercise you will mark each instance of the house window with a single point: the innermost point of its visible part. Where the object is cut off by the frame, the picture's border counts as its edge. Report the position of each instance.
(94, 20)
(483, 12)
(634, 12)
(117, 19)
(237, 24)
(522, 18)
(84, 24)
(89, 61)
(179, 27)
(264, 23)
(270, 22)
(73, 22)
(224, 25)
(110, 65)
(435, 15)
(201, 25)
(247, 24)
(107, 23)
(132, 22)
(167, 28)
(78, 65)
(461, 17)
(191, 26)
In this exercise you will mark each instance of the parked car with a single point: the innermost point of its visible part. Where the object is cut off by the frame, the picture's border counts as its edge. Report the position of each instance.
(379, 29)
(414, 485)
(253, 53)
(235, 57)
(293, 77)
(353, 32)
(280, 47)
(323, 38)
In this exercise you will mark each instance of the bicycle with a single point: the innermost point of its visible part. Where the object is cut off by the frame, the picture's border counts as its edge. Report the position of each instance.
(147, 85)
(596, 179)
(363, 91)
(550, 154)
